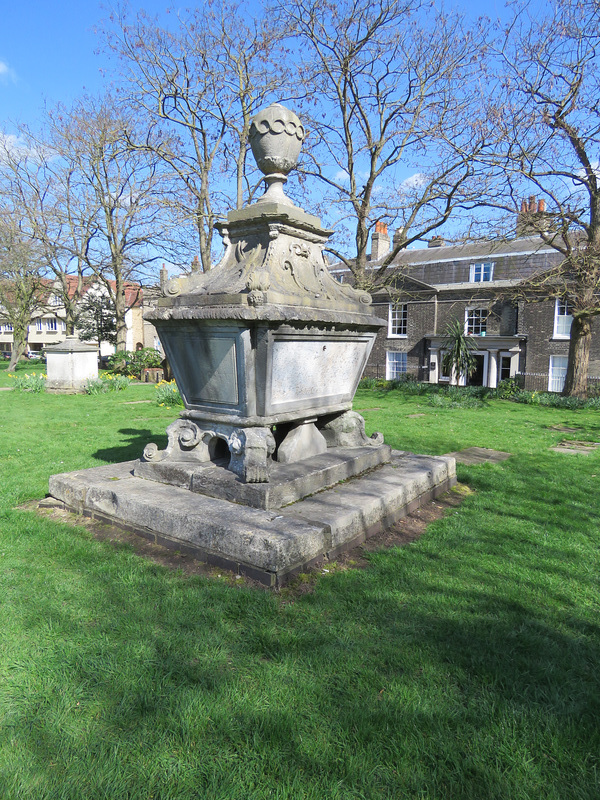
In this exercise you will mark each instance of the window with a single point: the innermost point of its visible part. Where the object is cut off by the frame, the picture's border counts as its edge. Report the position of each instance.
(51, 324)
(8, 328)
(557, 373)
(505, 363)
(482, 272)
(38, 324)
(476, 321)
(54, 300)
(397, 319)
(445, 369)
(395, 365)
(562, 319)
(63, 326)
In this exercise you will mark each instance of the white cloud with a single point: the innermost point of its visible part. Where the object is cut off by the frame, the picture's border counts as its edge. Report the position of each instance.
(595, 165)
(414, 181)
(16, 147)
(6, 73)
(341, 176)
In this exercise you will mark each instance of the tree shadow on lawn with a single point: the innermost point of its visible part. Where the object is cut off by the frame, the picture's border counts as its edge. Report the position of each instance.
(441, 678)
(128, 451)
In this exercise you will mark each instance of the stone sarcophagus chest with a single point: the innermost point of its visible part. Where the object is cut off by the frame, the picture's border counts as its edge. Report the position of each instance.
(267, 348)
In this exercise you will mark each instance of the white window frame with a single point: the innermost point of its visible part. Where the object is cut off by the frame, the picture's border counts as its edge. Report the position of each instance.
(397, 319)
(562, 319)
(51, 324)
(463, 380)
(478, 270)
(39, 325)
(471, 310)
(8, 328)
(557, 373)
(443, 377)
(514, 363)
(54, 300)
(391, 373)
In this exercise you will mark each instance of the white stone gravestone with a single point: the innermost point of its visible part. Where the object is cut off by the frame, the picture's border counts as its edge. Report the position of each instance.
(70, 365)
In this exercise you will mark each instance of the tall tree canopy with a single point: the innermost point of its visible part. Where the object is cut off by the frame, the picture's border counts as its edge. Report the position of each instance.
(203, 78)
(391, 91)
(546, 118)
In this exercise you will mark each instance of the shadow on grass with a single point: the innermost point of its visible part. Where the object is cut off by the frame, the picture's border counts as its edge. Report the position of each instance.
(464, 666)
(135, 439)
(434, 673)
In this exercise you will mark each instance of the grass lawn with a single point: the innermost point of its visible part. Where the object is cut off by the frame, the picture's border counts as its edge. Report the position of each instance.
(465, 665)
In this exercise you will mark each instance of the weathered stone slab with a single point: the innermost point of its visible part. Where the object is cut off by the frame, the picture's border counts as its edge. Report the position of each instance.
(479, 455)
(287, 484)
(269, 545)
(360, 508)
(576, 448)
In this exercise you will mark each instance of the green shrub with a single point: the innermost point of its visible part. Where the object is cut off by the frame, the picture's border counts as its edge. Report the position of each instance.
(130, 362)
(167, 394)
(405, 384)
(34, 382)
(508, 389)
(107, 383)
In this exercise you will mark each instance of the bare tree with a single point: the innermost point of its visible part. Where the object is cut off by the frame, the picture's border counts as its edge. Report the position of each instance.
(546, 116)
(22, 287)
(392, 110)
(115, 199)
(38, 182)
(205, 78)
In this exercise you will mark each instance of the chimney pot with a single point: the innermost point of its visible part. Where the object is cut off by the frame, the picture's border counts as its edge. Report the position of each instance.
(436, 241)
(532, 202)
(542, 206)
(380, 241)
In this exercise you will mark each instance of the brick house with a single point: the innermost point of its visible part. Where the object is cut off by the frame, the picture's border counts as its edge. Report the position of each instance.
(474, 283)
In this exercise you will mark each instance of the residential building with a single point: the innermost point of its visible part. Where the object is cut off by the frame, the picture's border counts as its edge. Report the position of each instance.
(476, 283)
(48, 324)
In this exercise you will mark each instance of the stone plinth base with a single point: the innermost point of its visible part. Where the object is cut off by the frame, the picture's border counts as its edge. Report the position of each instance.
(267, 545)
(287, 484)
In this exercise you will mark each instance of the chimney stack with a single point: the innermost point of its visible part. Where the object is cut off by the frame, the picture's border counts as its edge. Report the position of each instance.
(531, 216)
(436, 241)
(399, 237)
(164, 276)
(380, 242)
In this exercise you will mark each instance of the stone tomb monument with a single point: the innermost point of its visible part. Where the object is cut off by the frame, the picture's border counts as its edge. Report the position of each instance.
(70, 365)
(267, 350)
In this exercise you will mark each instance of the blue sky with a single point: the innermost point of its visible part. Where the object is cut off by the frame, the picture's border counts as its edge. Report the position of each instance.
(48, 52)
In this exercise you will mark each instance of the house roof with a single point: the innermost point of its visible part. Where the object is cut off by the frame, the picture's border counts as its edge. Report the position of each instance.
(133, 291)
(468, 251)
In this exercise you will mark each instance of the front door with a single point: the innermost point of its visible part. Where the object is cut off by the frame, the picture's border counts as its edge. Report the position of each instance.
(476, 379)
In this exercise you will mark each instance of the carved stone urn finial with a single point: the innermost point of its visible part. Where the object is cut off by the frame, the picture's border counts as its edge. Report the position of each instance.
(276, 136)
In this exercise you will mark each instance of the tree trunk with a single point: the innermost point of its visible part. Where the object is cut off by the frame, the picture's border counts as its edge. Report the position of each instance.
(18, 348)
(120, 311)
(576, 380)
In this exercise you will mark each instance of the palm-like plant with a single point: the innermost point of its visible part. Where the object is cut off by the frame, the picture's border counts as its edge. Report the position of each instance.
(459, 348)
